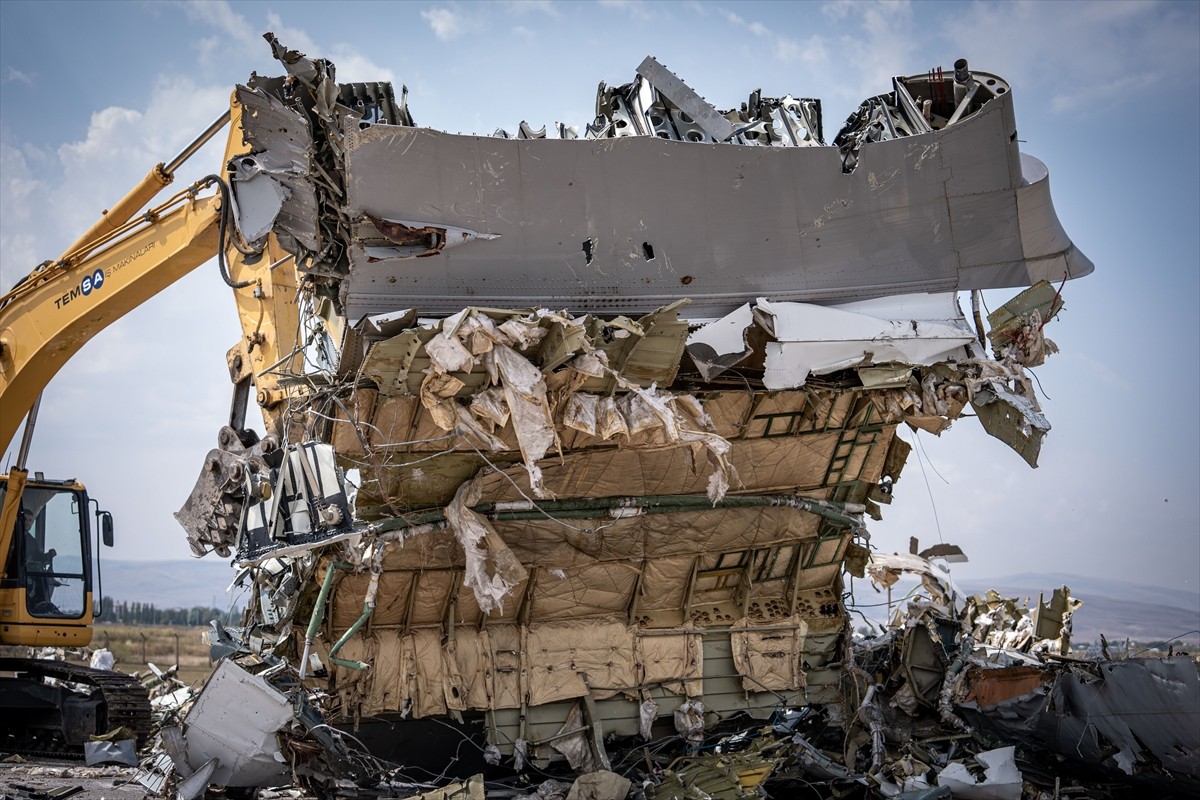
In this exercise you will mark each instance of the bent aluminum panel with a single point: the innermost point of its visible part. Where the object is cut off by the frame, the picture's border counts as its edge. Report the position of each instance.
(629, 224)
(235, 720)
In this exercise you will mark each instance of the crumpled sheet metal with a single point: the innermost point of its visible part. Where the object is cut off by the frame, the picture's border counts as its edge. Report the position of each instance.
(235, 720)
(1001, 780)
(719, 775)
(1136, 720)
(1012, 419)
(817, 340)
(1133, 723)
(883, 339)
(1019, 322)
(213, 510)
(885, 569)
(280, 164)
(807, 339)
(990, 621)
(956, 225)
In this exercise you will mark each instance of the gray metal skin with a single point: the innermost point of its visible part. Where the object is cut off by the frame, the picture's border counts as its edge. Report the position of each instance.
(954, 209)
(1143, 712)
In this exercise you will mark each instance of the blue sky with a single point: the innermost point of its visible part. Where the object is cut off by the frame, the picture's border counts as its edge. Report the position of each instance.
(93, 94)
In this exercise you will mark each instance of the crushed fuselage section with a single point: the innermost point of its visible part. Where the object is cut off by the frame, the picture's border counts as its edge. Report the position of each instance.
(584, 431)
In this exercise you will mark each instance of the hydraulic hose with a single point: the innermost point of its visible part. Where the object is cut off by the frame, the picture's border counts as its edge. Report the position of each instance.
(223, 232)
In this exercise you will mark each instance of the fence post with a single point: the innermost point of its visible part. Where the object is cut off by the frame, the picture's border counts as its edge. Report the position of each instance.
(143, 647)
(177, 651)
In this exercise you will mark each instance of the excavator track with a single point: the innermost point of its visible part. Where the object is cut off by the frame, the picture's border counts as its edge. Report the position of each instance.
(114, 699)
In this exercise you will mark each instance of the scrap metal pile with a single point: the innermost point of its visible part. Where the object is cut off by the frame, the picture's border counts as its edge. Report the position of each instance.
(575, 472)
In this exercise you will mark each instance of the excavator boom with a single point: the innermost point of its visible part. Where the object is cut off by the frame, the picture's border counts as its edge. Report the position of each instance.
(46, 559)
(46, 319)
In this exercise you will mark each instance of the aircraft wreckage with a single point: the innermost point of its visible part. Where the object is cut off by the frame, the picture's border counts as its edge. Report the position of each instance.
(575, 445)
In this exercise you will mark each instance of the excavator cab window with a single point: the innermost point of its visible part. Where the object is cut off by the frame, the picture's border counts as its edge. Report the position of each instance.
(53, 542)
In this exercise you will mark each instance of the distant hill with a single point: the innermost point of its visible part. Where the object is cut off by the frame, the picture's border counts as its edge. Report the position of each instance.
(171, 584)
(1118, 609)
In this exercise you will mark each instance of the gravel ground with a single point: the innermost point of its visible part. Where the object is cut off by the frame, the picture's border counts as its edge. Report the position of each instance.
(29, 779)
(35, 779)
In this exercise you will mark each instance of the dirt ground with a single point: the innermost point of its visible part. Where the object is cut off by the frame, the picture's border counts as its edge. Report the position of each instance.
(137, 645)
(43, 778)
(33, 779)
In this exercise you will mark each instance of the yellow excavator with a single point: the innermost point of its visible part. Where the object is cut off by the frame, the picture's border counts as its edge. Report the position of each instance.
(49, 532)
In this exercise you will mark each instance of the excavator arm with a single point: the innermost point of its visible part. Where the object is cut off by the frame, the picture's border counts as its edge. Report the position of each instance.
(123, 260)
(46, 319)
(120, 262)
(57, 309)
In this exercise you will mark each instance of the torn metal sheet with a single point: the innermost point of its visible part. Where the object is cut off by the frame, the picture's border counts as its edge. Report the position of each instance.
(196, 784)
(1001, 779)
(886, 568)
(931, 248)
(721, 345)
(685, 99)
(275, 181)
(235, 720)
(1007, 320)
(1137, 719)
(1012, 419)
(123, 751)
(1017, 327)
(416, 239)
(263, 198)
(975, 213)
(817, 340)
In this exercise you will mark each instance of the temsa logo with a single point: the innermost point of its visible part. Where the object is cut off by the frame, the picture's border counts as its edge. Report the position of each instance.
(89, 284)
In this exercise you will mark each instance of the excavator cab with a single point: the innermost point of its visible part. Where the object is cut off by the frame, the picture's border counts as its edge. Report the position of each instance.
(46, 592)
(49, 706)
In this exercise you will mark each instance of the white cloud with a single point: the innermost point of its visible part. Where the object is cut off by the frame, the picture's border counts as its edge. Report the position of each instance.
(522, 7)
(447, 24)
(292, 38)
(235, 34)
(836, 10)
(732, 17)
(522, 31)
(885, 42)
(49, 197)
(220, 15)
(1103, 94)
(18, 192)
(13, 74)
(353, 66)
(350, 63)
(637, 9)
(1097, 53)
(783, 47)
